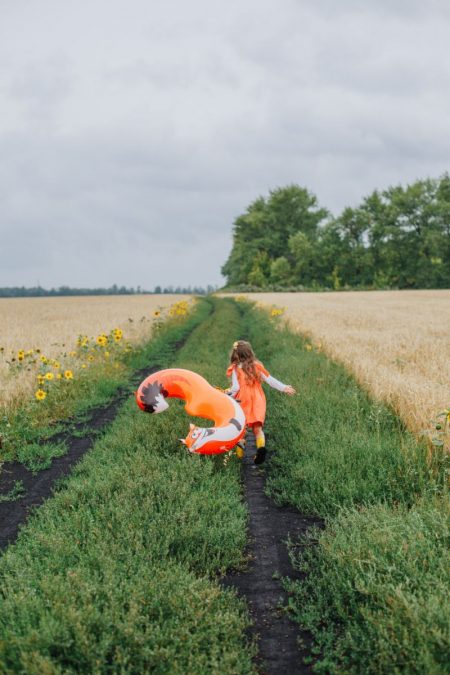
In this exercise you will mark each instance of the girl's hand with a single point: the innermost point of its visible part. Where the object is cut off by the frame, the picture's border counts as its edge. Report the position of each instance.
(289, 390)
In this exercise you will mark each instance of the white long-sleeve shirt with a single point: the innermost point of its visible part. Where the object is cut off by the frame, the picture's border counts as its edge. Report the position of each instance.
(271, 381)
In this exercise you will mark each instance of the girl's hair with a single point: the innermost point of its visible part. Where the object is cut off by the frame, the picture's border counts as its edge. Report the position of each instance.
(242, 353)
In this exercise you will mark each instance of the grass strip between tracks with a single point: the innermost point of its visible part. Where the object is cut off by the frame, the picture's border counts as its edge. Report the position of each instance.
(377, 577)
(116, 573)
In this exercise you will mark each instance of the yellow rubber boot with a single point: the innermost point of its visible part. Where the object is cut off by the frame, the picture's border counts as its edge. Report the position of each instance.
(260, 440)
(240, 449)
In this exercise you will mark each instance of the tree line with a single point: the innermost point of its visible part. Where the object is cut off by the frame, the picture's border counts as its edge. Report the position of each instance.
(38, 291)
(396, 238)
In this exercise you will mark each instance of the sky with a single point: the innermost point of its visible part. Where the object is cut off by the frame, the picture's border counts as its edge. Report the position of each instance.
(132, 133)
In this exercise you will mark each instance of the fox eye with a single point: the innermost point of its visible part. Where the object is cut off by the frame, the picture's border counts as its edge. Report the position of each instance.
(195, 434)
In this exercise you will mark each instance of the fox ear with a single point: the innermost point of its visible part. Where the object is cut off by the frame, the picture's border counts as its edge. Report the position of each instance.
(191, 426)
(182, 440)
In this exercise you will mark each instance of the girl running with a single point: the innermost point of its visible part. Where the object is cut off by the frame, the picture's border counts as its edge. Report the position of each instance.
(246, 376)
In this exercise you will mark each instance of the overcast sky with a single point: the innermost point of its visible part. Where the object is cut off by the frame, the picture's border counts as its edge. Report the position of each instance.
(133, 132)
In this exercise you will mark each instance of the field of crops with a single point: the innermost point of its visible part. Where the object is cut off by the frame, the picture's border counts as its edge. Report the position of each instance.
(119, 571)
(396, 343)
(34, 327)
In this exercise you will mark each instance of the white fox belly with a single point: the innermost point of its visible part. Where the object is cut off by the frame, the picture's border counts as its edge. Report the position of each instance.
(226, 433)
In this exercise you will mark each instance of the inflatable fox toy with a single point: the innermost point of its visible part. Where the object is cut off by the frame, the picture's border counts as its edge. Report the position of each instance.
(202, 400)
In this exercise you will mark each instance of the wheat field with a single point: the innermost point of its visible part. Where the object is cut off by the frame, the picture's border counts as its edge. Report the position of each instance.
(53, 325)
(396, 343)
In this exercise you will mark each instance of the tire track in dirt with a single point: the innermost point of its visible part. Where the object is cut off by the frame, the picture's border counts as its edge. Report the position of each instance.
(270, 526)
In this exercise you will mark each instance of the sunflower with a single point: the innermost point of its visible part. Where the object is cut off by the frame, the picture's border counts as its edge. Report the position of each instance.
(49, 376)
(102, 340)
(68, 374)
(40, 395)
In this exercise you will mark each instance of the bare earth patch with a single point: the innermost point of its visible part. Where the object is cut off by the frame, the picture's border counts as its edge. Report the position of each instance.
(53, 325)
(396, 343)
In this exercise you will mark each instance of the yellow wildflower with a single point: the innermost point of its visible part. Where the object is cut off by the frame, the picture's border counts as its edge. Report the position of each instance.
(43, 358)
(58, 376)
(40, 395)
(49, 376)
(68, 374)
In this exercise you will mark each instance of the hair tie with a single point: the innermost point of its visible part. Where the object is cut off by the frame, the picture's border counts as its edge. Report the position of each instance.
(235, 344)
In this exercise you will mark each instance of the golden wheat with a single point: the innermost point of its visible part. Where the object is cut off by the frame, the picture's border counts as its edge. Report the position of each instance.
(53, 325)
(396, 343)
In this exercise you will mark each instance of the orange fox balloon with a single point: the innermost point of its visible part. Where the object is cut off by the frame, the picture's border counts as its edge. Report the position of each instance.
(202, 400)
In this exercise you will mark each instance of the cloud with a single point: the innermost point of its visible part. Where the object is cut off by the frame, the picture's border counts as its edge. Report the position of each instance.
(133, 133)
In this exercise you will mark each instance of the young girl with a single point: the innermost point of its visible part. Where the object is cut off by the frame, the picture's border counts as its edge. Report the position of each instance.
(246, 376)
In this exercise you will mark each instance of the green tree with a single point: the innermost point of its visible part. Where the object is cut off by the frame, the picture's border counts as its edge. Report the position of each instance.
(280, 270)
(265, 228)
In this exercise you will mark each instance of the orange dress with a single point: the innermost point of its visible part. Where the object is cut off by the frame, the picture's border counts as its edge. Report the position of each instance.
(251, 396)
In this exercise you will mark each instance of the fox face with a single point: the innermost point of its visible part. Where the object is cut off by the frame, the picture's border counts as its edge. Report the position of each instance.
(197, 437)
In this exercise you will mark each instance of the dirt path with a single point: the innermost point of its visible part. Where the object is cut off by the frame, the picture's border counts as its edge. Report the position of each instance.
(269, 528)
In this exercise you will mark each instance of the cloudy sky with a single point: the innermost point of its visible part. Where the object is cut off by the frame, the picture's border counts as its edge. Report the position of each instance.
(132, 132)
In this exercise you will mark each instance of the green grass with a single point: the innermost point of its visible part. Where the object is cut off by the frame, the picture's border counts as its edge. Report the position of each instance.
(375, 594)
(15, 493)
(118, 571)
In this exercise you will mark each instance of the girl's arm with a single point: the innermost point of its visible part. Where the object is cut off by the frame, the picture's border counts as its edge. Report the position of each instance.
(276, 384)
(233, 390)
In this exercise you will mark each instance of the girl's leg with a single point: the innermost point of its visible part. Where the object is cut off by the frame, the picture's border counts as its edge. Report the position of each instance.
(260, 444)
(259, 435)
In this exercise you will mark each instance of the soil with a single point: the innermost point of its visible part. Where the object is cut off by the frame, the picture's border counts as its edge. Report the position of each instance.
(282, 646)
